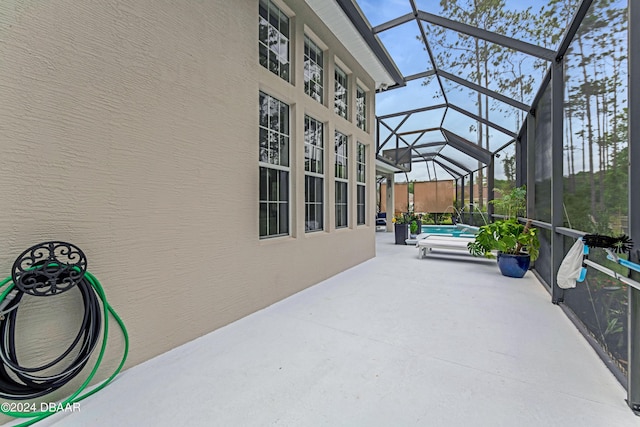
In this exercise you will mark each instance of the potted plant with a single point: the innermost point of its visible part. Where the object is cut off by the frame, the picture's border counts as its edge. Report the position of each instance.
(401, 228)
(415, 226)
(517, 244)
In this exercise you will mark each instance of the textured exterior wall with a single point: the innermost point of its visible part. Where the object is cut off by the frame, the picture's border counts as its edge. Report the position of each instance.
(433, 196)
(130, 128)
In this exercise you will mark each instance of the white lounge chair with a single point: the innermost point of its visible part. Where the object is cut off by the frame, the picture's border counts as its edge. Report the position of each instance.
(442, 242)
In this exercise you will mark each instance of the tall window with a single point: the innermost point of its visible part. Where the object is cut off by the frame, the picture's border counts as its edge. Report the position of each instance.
(274, 167)
(361, 161)
(274, 39)
(342, 182)
(313, 71)
(313, 178)
(341, 101)
(361, 108)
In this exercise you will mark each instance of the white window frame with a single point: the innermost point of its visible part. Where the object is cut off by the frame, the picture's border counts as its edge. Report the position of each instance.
(267, 160)
(314, 168)
(341, 176)
(312, 52)
(361, 108)
(341, 93)
(361, 186)
(280, 49)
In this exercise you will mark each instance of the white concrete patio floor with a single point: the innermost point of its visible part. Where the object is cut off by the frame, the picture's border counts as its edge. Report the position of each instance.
(395, 341)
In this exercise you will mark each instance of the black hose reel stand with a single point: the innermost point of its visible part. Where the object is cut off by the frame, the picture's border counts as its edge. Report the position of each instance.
(46, 270)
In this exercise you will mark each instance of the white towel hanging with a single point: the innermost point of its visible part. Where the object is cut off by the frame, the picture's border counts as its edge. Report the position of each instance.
(571, 266)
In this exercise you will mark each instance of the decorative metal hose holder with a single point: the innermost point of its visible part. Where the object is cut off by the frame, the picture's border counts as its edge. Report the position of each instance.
(48, 270)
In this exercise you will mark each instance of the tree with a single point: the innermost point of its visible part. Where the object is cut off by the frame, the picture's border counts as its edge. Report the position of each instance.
(490, 65)
(595, 86)
(470, 56)
(509, 164)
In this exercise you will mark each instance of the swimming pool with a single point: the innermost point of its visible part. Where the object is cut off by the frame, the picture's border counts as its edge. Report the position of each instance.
(459, 230)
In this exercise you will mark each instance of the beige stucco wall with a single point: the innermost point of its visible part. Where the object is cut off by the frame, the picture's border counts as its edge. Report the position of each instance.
(130, 128)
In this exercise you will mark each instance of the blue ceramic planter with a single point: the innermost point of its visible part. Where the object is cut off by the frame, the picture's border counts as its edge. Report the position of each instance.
(513, 265)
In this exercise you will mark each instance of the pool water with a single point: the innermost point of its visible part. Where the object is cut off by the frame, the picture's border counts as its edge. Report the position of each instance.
(450, 230)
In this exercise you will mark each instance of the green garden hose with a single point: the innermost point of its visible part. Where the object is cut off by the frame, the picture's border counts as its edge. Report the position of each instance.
(8, 297)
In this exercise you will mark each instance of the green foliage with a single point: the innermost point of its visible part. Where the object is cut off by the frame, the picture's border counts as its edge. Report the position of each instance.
(607, 319)
(407, 218)
(509, 164)
(490, 64)
(606, 217)
(613, 327)
(402, 218)
(508, 235)
(414, 227)
(596, 187)
(512, 204)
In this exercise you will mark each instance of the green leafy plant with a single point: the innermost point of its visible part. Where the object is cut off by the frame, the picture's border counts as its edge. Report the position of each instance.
(402, 218)
(512, 204)
(507, 235)
(416, 224)
(410, 218)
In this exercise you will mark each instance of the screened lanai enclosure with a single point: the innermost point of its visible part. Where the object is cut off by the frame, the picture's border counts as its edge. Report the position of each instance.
(494, 94)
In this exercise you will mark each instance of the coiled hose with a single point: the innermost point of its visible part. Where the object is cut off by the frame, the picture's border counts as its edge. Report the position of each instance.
(46, 275)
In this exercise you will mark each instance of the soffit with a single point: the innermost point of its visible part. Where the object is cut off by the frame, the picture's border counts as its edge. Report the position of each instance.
(369, 53)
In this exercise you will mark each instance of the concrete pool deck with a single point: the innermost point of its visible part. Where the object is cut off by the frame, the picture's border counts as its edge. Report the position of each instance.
(395, 341)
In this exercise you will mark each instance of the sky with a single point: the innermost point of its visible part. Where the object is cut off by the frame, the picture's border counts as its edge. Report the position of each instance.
(411, 57)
